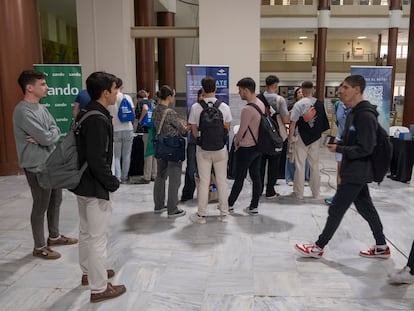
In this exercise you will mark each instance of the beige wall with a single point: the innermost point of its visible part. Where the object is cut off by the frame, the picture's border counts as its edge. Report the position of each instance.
(230, 35)
(104, 38)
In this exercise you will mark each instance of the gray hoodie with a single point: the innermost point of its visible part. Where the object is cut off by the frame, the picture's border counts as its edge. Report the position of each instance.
(33, 120)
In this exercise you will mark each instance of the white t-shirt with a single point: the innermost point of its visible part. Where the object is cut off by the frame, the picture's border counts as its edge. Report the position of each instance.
(113, 110)
(196, 108)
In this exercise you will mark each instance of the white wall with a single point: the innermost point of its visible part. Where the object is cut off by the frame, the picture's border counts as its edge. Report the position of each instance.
(104, 39)
(230, 35)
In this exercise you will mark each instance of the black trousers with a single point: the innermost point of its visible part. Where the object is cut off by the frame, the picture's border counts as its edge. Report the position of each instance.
(344, 197)
(273, 165)
(410, 262)
(247, 158)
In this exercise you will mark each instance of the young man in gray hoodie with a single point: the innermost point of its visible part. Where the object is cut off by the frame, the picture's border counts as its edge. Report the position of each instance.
(35, 133)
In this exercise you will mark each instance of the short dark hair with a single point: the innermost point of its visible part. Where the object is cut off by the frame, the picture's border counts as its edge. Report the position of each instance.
(98, 82)
(208, 84)
(165, 91)
(356, 80)
(272, 79)
(118, 82)
(29, 77)
(141, 94)
(307, 85)
(247, 83)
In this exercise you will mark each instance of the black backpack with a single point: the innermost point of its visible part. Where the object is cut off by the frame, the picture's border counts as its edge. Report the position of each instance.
(269, 141)
(382, 154)
(213, 135)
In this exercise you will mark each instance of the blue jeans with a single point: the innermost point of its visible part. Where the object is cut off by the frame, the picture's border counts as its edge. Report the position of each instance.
(122, 152)
(290, 170)
(189, 183)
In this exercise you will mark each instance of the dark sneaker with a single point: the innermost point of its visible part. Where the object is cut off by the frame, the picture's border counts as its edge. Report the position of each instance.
(178, 213)
(85, 282)
(46, 253)
(272, 195)
(111, 291)
(62, 240)
(376, 252)
(161, 210)
(231, 209)
(251, 211)
(309, 250)
(328, 201)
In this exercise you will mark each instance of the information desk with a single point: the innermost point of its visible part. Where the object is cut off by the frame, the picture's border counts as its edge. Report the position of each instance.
(402, 159)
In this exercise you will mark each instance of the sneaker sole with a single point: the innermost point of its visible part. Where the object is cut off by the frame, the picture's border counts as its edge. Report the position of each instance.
(376, 256)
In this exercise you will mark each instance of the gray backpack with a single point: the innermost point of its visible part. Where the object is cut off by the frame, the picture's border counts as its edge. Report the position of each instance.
(61, 169)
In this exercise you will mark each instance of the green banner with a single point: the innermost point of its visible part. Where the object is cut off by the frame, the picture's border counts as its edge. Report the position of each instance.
(64, 82)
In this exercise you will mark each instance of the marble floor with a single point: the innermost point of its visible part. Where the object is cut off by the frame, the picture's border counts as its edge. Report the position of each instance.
(247, 264)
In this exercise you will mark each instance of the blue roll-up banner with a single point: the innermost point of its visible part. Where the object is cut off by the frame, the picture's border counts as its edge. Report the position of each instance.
(377, 90)
(195, 73)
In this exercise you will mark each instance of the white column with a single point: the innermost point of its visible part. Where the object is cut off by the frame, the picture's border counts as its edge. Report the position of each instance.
(104, 39)
(230, 35)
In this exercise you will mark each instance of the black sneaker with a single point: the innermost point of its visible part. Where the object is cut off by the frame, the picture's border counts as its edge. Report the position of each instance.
(176, 214)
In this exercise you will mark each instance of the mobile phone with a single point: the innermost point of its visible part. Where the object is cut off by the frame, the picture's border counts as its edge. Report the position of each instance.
(329, 140)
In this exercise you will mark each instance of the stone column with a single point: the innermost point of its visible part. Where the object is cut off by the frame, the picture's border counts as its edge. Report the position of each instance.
(395, 17)
(19, 50)
(145, 56)
(323, 24)
(166, 52)
(408, 116)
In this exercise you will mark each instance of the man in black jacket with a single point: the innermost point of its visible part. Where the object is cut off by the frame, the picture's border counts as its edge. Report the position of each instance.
(357, 145)
(95, 146)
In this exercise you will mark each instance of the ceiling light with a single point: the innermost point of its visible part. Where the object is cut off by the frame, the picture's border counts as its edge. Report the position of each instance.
(362, 37)
(303, 37)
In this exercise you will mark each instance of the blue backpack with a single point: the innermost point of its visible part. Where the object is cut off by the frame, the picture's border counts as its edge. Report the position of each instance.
(147, 120)
(125, 111)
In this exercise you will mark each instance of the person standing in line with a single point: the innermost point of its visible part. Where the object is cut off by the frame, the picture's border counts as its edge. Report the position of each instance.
(145, 121)
(210, 159)
(123, 136)
(356, 147)
(275, 104)
(307, 142)
(290, 158)
(191, 169)
(406, 274)
(35, 133)
(94, 192)
(341, 112)
(248, 157)
(81, 100)
(167, 169)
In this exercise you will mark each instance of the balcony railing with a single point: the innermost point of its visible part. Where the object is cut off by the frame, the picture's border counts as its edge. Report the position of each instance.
(342, 57)
(333, 2)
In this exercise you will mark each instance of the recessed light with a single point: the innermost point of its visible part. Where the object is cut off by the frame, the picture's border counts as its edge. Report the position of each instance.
(303, 37)
(362, 37)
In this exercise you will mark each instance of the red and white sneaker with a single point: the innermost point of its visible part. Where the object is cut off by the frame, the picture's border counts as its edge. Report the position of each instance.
(309, 250)
(377, 251)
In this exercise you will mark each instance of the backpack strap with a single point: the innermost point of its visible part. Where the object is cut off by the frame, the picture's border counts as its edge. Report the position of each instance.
(203, 104)
(162, 120)
(250, 130)
(87, 114)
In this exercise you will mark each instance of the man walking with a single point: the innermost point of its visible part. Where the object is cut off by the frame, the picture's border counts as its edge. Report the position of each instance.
(95, 146)
(35, 132)
(207, 159)
(248, 157)
(357, 145)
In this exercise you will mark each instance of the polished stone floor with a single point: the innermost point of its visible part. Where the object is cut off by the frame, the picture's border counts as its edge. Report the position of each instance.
(247, 264)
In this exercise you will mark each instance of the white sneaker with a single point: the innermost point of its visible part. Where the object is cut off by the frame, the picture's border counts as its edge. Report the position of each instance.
(224, 218)
(402, 277)
(290, 183)
(198, 219)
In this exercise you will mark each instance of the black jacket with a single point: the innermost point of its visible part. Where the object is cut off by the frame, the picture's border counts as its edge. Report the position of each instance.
(95, 146)
(311, 134)
(358, 142)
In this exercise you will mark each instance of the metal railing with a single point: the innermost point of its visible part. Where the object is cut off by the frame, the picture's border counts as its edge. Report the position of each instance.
(307, 57)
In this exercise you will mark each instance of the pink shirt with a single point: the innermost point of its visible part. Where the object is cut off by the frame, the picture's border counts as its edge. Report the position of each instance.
(249, 117)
